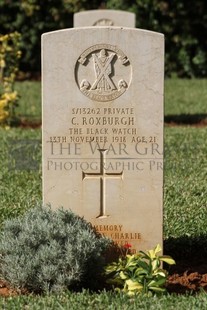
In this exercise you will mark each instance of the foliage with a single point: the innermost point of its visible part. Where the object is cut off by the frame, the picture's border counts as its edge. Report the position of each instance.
(9, 62)
(47, 250)
(140, 273)
(82, 5)
(184, 27)
(31, 19)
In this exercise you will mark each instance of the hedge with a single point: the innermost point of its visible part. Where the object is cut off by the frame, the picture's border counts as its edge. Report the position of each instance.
(184, 25)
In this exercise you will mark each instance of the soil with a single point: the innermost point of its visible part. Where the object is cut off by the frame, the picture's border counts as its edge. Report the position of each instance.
(183, 278)
(6, 290)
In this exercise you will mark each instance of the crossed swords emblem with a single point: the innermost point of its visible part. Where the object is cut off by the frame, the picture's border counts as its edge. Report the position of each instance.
(102, 70)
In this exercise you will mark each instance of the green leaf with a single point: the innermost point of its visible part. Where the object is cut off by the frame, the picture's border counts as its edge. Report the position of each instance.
(157, 249)
(155, 264)
(111, 268)
(161, 273)
(151, 254)
(122, 275)
(144, 265)
(167, 259)
(134, 285)
(157, 289)
(158, 283)
(144, 255)
(140, 271)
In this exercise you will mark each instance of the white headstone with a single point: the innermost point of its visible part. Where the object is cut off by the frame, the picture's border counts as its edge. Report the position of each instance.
(104, 18)
(103, 129)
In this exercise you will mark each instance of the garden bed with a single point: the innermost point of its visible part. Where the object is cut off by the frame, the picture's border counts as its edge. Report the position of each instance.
(183, 278)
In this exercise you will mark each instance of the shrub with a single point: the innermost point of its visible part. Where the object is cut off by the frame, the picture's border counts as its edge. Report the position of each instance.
(184, 27)
(31, 18)
(50, 251)
(9, 63)
(140, 273)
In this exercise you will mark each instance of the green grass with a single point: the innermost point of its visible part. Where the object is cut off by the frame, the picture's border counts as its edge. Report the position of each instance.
(187, 97)
(182, 97)
(19, 189)
(105, 300)
(30, 99)
(185, 191)
(185, 196)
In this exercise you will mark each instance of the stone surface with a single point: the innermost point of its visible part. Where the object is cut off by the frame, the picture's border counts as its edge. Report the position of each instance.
(104, 18)
(103, 129)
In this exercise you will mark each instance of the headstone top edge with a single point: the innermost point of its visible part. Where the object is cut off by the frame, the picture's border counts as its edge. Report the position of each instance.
(103, 11)
(98, 28)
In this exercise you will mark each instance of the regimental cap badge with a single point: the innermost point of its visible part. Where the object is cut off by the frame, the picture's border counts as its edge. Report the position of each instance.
(103, 72)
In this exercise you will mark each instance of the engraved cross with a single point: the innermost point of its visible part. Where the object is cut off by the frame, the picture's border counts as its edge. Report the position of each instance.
(102, 176)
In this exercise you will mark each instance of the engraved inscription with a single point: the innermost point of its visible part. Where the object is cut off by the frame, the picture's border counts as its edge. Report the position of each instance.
(103, 22)
(103, 72)
(102, 176)
(119, 235)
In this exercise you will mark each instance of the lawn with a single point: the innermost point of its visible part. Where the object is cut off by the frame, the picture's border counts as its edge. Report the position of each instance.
(30, 99)
(104, 301)
(185, 192)
(182, 98)
(185, 97)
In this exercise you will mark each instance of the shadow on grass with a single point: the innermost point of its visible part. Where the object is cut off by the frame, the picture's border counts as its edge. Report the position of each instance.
(186, 119)
(189, 275)
(191, 251)
(25, 121)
